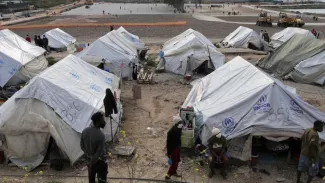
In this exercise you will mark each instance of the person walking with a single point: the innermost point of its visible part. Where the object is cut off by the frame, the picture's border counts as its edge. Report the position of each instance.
(92, 143)
(174, 148)
(40, 42)
(309, 157)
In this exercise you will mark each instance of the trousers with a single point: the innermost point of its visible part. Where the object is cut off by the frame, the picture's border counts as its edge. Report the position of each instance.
(100, 168)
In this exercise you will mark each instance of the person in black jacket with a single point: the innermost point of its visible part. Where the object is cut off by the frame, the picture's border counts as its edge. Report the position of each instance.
(40, 42)
(174, 148)
(45, 43)
(109, 103)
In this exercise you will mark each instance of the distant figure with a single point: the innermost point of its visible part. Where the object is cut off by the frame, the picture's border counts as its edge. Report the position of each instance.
(313, 31)
(36, 41)
(28, 38)
(103, 12)
(45, 43)
(40, 42)
(266, 37)
(112, 27)
(120, 7)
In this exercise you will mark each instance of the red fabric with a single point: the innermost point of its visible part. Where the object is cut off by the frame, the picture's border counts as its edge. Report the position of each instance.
(28, 39)
(176, 158)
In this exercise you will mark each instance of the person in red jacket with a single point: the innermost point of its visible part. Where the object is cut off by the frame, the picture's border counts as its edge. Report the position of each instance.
(28, 38)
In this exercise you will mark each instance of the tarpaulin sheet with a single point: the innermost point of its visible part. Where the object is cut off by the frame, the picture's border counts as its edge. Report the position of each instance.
(59, 39)
(240, 100)
(188, 51)
(68, 88)
(284, 58)
(283, 36)
(16, 52)
(111, 49)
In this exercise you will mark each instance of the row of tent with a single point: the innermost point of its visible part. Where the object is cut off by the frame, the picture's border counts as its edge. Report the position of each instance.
(296, 53)
(20, 60)
(58, 102)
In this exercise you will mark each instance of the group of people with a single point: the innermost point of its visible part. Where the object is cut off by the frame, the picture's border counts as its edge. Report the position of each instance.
(309, 160)
(41, 42)
(93, 145)
(265, 36)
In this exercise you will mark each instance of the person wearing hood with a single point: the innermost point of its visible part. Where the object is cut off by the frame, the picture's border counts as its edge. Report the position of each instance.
(174, 148)
(217, 145)
(110, 103)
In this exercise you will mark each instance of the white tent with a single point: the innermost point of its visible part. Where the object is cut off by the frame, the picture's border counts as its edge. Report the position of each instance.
(283, 36)
(113, 51)
(57, 103)
(132, 39)
(189, 50)
(247, 101)
(243, 37)
(19, 60)
(59, 39)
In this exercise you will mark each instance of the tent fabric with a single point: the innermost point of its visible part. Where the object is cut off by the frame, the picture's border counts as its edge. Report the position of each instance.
(131, 38)
(242, 37)
(311, 70)
(188, 51)
(247, 101)
(283, 36)
(19, 60)
(58, 103)
(113, 52)
(286, 57)
(59, 39)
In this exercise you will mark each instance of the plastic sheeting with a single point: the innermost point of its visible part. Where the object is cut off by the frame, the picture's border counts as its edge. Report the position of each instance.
(247, 101)
(188, 51)
(311, 70)
(299, 49)
(283, 36)
(242, 37)
(59, 39)
(113, 51)
(29, 119)
(19, 60)
(131, 38)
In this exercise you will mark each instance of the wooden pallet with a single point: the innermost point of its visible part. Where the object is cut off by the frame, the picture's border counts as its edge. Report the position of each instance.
(145, 78)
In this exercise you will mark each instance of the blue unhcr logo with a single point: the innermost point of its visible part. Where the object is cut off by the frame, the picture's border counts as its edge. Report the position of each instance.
(108, 80)
(229, 125)
(295, 108)
(262, 104)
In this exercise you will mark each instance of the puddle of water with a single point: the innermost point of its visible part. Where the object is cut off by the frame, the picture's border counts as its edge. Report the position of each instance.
(122, 9)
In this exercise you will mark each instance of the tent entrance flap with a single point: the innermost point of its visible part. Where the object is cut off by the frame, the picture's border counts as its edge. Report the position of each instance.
(199, 66)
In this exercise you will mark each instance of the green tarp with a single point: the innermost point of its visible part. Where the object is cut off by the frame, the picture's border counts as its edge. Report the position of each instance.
(298, 48)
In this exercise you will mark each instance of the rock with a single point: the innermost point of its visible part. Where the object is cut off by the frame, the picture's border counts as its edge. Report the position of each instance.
(281, 179)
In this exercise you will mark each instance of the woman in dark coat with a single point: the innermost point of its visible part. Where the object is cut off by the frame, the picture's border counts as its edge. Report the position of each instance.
(174, 148)
(110, 103)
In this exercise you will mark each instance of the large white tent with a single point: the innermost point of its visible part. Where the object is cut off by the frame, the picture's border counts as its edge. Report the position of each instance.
(283, 36)
(58, 39)
(57, 103)
(19, 60)
(247, 101)
(113, 51)
(188, 51)
(244, 37)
